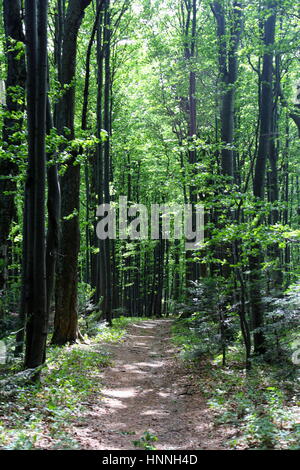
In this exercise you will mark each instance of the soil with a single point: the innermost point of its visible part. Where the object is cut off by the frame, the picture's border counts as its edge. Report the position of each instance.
(148, 388)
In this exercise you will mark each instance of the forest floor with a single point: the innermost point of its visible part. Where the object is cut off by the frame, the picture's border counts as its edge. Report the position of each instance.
(147, 389)
(140, 384)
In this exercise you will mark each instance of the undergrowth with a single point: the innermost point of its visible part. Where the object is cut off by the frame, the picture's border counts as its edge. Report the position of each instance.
(262, 405)
(39, 416)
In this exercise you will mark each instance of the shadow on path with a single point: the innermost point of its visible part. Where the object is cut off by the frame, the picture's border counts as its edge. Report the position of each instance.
(147, 389)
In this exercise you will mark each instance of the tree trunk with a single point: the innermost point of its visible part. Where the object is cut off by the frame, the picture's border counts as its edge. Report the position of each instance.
(34, 246)
(106, 272)
(65, 323)
(265, 118)
(228, 73)
(190, 55)
(53, 207)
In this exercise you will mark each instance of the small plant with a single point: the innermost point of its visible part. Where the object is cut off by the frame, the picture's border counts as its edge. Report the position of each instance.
(145, 442)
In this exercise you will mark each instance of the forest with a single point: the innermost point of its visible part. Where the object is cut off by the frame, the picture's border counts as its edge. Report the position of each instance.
(149, 225)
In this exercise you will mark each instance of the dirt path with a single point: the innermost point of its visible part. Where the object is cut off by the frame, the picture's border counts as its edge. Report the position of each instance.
(147, 389)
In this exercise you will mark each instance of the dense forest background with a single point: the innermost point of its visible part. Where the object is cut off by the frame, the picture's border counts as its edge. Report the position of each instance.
(164, 102)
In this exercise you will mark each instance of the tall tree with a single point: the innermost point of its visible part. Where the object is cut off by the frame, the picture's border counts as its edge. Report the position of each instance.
(34, 250)
(228, 73)
(53, 207)
(190, 55)
(265, 121)
(107, 301)
(229, 29)
(65, 324)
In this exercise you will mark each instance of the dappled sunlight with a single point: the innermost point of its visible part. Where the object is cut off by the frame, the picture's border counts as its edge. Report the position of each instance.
(164, 394)
(149, 364)
(124, 393)
(145, 393)
(140, 336)
(155, 412)
(149, 326)
(114, 403)
(130, 368)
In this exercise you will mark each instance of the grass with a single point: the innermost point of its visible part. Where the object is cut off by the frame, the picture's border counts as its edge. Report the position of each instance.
(39, 416)
(262, 406)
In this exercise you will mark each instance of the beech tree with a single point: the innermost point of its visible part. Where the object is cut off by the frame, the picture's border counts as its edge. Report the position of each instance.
(66, 308)
(34, 250)
(265, 119)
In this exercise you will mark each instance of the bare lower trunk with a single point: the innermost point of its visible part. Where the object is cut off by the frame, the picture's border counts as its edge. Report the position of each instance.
(65, 323)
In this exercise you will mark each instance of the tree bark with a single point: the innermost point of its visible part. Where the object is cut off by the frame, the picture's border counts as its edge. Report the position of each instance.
(228, 73)
(35, 268)
(53, 207)
(265, 118)
(65, 323)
